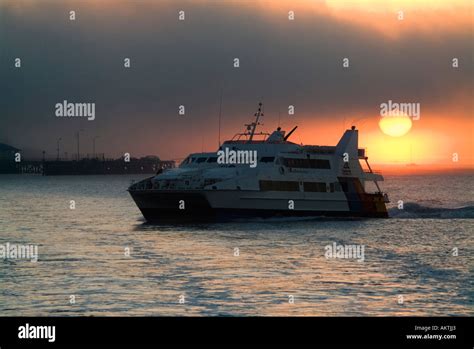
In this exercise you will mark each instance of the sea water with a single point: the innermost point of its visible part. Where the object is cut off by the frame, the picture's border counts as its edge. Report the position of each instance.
(97, 255)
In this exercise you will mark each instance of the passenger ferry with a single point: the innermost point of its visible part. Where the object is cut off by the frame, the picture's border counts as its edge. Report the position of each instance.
(284, 179)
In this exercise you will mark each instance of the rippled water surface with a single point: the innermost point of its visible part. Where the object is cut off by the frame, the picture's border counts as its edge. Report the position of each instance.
(82, 253)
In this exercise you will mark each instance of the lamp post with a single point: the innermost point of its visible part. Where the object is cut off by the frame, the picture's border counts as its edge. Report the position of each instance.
(59, 140)
(77, 135)
(93, 146)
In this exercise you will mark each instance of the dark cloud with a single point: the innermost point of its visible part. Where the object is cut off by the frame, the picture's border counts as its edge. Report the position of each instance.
(190, 62)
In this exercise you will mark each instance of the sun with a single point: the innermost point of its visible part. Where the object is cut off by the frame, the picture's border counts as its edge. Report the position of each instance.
(395, 126)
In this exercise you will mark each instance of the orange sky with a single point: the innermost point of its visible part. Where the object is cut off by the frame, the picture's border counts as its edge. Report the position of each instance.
(429, 142)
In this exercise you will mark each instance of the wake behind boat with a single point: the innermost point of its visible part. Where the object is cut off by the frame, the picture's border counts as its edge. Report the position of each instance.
(265, 178)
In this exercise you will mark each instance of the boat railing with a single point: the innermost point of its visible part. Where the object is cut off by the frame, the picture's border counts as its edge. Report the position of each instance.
(245, 137)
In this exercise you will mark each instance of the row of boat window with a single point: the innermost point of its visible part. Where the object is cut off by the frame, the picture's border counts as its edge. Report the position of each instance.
(320, 187)
(190, 160)
(212, 159)
(288, 162)
(306, 163)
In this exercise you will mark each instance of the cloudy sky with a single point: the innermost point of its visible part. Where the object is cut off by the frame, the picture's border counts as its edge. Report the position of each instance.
(282, 62)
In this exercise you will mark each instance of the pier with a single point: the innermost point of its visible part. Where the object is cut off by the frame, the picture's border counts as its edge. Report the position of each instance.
(85, 166)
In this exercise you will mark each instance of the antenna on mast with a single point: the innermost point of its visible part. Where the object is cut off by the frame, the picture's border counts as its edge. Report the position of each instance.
(251, 127)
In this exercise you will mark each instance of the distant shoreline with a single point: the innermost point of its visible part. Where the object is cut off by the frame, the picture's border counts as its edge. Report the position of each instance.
(420, 169)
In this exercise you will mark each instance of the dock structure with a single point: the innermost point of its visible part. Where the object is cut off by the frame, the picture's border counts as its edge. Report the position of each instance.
(12, 162)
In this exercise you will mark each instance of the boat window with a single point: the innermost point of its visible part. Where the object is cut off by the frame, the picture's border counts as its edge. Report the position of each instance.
(267, 159)
(315, 187)
(185, 162)
(279, 186)
(307, 163)
(212, 159)
(199, 160)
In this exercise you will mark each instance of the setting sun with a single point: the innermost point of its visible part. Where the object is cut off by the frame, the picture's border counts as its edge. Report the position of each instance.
(395, 126)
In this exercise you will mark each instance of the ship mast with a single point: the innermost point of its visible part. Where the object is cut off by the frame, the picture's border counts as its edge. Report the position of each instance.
(253, 126)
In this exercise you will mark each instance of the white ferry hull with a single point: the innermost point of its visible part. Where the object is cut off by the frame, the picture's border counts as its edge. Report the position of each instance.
(159, 205)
